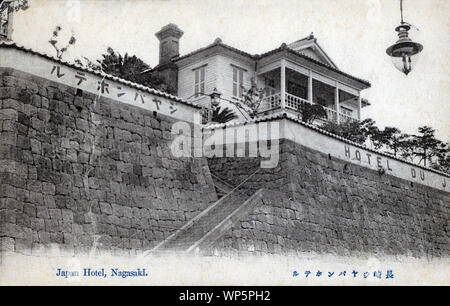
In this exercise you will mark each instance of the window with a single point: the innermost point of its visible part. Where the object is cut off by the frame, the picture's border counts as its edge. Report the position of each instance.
(269, 89)
(238, 81)
(297, 90)
(269, 82)
(346, 111)
(199, 86)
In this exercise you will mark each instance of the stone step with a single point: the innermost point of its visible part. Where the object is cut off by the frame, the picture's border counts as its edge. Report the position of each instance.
(222, 227)
(206, 221)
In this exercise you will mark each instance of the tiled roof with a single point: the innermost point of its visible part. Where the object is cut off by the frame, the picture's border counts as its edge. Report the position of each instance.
(6, 44)
(309, 37)
(283, 47)
(288, 116)
(365, 102)
(217, 42)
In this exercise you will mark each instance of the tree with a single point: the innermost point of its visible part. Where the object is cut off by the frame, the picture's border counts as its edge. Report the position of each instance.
(375, 135)
(426, 146)
(222, 115)
(130, 68)
(443, 158)
(54, 42)
(251, 99)
(311, 112)
(367, 128)
(87, 63)
(395, 140)
(423, 148)
(406, 148)
(355, 131)
(16, 5)
(7, 9)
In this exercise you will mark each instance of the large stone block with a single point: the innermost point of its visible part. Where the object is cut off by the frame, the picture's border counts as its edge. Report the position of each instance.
(106, 208)
(7, 244)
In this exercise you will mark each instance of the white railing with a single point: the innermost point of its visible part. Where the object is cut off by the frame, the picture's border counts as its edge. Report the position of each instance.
(295, 103)
(270, 102)
(206, 114)
(344, 118)
(331, 114)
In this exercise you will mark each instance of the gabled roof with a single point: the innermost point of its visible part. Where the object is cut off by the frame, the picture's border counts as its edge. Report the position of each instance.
(365, 102)
(284, 47)
(217, 43)
(312, 41)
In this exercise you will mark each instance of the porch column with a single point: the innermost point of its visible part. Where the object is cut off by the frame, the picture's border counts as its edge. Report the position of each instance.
(310, 87)
(336, 102)
(10, 28)
(283, 84)
(359, 106)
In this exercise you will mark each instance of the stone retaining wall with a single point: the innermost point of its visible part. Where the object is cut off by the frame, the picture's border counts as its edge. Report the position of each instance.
(89, 173)
(317, 203)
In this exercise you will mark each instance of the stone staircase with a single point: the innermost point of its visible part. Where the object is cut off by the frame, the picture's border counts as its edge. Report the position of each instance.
(232, 217)
(210, 224)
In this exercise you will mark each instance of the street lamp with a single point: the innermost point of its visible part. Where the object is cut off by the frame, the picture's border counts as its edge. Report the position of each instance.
(404, 52)
(215, 98)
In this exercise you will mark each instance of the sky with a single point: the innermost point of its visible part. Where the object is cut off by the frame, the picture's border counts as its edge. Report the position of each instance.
(354, 33)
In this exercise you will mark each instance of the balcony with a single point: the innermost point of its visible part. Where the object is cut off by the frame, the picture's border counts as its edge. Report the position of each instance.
(289, 87)
(294, 103)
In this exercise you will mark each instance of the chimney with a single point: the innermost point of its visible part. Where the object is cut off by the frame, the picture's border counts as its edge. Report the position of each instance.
(169, 46)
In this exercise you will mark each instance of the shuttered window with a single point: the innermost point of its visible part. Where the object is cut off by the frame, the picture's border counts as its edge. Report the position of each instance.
(199, 86)
(238, 82)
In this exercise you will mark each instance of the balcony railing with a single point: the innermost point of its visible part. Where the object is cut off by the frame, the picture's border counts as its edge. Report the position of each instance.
(206, 114)
(270, 102)
(345, 118)
(296, 104)
(331, 114)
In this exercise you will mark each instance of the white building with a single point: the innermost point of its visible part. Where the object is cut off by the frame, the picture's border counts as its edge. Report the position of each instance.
(291, 75)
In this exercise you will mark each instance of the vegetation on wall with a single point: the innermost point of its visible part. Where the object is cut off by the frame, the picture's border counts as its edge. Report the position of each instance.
(15, 4)
(128, 67)
(311, 112)
(422, 148)
(7, 9)
(54, 42)
(251, 99)
(223, 115)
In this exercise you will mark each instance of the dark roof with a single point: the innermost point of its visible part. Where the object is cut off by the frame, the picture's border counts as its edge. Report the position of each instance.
(309, 37)
(365, 102)
(283, 47)
(284, 115)
(217, 42)
(6, 44)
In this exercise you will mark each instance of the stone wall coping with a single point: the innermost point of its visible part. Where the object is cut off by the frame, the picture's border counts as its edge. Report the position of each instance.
(6, 44)
(291, 117)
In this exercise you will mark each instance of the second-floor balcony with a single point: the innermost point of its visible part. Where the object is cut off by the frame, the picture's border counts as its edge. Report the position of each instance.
(297, 104)
(291, 87)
